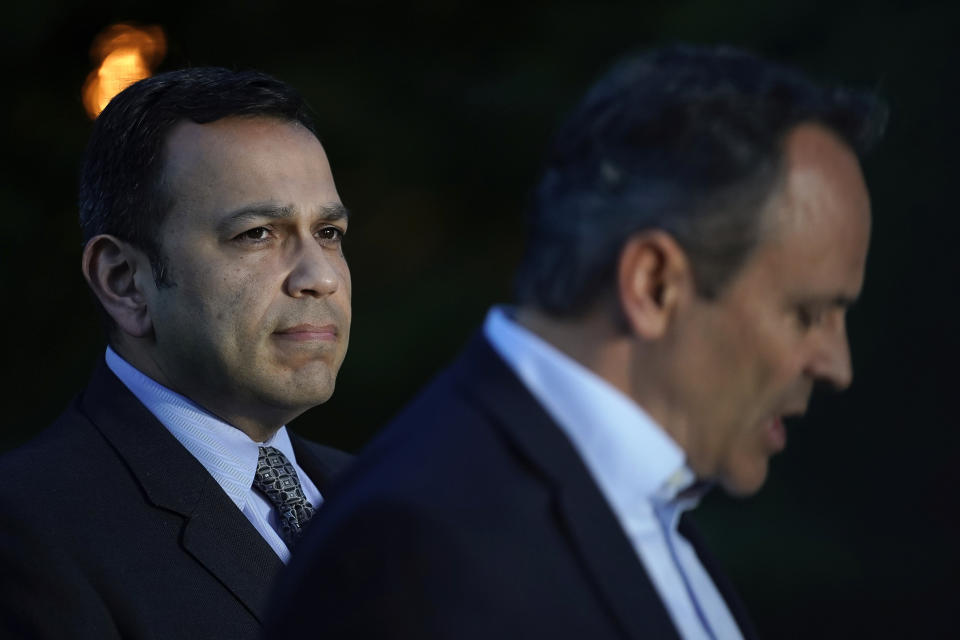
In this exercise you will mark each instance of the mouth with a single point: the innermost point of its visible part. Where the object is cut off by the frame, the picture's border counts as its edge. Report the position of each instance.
(776, 434)
(776, 430)
(308, 333)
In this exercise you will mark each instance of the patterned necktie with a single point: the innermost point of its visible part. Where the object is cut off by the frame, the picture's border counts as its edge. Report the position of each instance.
(277, 479)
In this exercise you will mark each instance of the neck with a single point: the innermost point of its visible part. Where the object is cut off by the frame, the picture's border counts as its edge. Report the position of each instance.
(257, 422)
(633, 366)
(589, 339)
(255, 430)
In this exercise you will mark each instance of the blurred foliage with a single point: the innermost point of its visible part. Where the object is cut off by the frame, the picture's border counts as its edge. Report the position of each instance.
(435, 115)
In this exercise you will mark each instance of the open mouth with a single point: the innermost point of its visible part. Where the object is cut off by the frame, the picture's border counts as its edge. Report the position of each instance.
(776, 433)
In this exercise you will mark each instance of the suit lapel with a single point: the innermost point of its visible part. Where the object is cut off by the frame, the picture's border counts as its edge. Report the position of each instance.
(594, 533)
(215, 531)
(737, 609)
(321, 463)
(221, 538)
(613, 563)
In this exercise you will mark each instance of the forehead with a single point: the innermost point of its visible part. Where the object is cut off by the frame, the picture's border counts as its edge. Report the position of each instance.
(818, 224)
(238, 161)
(823, 178)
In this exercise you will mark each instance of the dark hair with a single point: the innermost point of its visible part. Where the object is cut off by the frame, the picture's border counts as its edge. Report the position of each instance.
(686, 139)
(121, 179)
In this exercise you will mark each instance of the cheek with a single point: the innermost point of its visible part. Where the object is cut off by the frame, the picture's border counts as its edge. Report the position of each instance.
(343, 273)
(232, 305)
(776, 349)
(751, 382)
(782, 362)
(742, 368)
(344, 294)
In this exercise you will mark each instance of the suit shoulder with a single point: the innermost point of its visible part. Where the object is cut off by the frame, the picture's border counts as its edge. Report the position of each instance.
(56, 450)
(70, 464)
(440, 456)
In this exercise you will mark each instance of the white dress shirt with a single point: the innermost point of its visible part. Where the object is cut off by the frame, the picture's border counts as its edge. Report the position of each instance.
(639, 469)
(227, 453)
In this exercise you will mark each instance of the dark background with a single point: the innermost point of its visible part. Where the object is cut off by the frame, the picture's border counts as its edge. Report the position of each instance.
(435, 116)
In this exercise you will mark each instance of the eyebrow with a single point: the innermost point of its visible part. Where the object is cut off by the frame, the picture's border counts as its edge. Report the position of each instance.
(329, 212)
(845, 302)
(840, 301)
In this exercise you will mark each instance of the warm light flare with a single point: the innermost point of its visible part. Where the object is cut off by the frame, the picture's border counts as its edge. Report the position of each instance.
(125, 54)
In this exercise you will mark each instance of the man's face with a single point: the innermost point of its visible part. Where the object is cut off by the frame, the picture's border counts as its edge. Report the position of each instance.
(752, 356)
(256, 323)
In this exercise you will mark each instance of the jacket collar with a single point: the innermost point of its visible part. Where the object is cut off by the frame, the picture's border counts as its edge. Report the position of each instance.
(215, 532)
(321, 463)
(737, 608)
(588, 522)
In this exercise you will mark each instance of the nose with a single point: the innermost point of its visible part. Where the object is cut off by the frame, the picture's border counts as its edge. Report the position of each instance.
(831, 361)
(316, 271)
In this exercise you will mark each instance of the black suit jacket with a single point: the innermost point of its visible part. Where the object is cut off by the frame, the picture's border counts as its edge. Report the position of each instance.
(110, 528)
(471, 516)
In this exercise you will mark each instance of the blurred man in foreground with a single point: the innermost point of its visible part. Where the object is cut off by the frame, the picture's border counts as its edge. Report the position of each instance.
(697, 236)
(164, 500)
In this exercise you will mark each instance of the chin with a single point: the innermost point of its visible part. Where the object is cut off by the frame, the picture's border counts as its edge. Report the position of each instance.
(310, 397)
(298, 395)
(745, 480)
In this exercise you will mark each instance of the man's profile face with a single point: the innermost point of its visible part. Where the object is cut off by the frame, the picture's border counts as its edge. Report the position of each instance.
(754, 354)
(256, 322)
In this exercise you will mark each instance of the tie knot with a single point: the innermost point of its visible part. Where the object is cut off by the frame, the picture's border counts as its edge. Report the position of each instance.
(278, 480)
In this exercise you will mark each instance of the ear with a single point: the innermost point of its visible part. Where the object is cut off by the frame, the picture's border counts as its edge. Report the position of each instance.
(115, 272)
(653, 275)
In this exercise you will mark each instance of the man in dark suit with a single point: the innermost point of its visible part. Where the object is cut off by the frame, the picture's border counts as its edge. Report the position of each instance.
(165, 499)
(699, 231)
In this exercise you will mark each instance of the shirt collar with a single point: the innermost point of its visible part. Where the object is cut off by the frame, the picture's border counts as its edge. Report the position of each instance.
(629, 455)
(227, 453)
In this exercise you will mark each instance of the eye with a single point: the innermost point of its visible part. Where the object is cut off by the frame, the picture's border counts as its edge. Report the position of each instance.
(330, 235)
(809, 317)
(256, 235)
